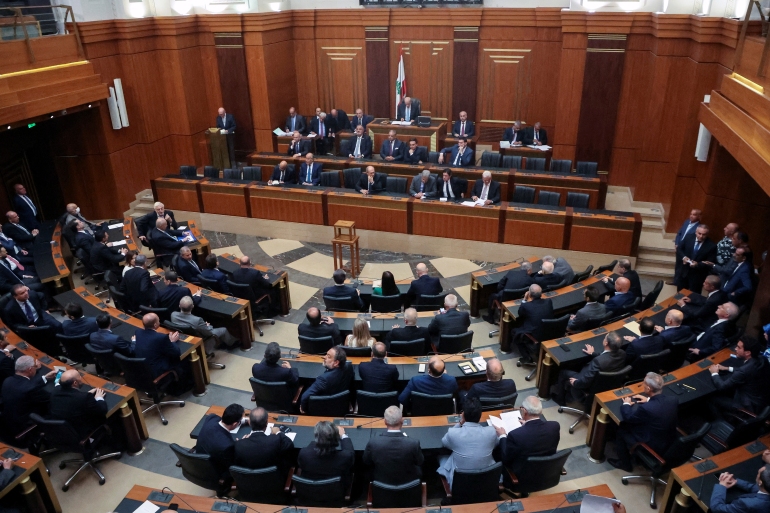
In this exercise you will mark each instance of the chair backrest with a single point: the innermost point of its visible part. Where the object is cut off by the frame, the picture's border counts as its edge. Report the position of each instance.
(609, 380)
(58, 434)
(395, 184)
(451, 344)
(587, 168)
(335, 304)
(337, 405)
(554, 328)
(137, 372)
(749, 430)
(322, 492)
(577, 199)
(374, 405)
(512, 161)
(561, 166)
(75, 347)
(678, 352)
(543, 472)
(163, 313)
(522, 194)
(684, 447)
(263, 485)
(319, 345)
(352, 176)
(407, 495)
(345, 147)
(252, 173)
(330, 179)
(181, 328)
(535, 164)
(363, 352)
(210, 172)
(563, 283)
(232, 174)
(608, 267)
(408, 348)
(490, 159)
(386, 304)
(595, 322)
(478, 485)
(425, 405)
(41, 337)
(650, 299)
(272, 396)
(188, 171)
(433, 157)
(583, 274)
(649, 363)
(507, 401)
(511, 294)
(423, 150)
(549, 198)
(426, 302)
(120, 299)
(197, 468)
(105, 359)
(241, 290)
(210, 284)
(462, 184)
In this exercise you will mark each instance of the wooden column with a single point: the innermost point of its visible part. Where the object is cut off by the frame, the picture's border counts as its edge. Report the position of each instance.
(378, 72)
(466, 66)
(234, 83)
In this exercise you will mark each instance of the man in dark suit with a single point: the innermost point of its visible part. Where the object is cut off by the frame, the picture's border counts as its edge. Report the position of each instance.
(590, 312)
(547, 277)
(487, 190)
(413, 154)
(573, 386)
(424, 285)
(689, 226)
(449, 322)
(137, 286)
(360, 144)
(318, 327)
(407, 111)
(392, 150)
(298, 147)
(495, 385)
(187, 267)
(535, 135)
(295, 122)
(105, 258)
(282, 173)
(396, 458)
(701, 311)
(715, 336)
(449, 187)
(104, 338)
(161, 352)
(82, 239)
(360, 119)
(147, 222)
(343, 292)
(25, 393)
(376, 375)
(463, 127)
(84, 411)
(735, 277)
(73, 214)
(329, 455)
(536, 437)
(622, 300)
(624, 269)
(695, 250)
(226, 122)
(410, 331)
(173, 292)
(214, 439)
(650, 420)
(434, 382)
(337, 377)
(460, 155)
(514, 279)
(756, 500)
(340, 120)
(514, 134)
(270, 371)
(10, 275)
(323, 133)
(534, 309)
(645, 343)
(26, 208)
(28, 308)
(164, 240)
(14, 250)
(13, 229)
(259, 450)
(743, 385)
(77, 323)
(310, 171)
(211, 272)
(423, 186)
(259, 282)
(673, 331)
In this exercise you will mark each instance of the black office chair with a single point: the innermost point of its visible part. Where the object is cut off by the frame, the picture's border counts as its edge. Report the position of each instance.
(549, 198)
(423, 151)
(462, 184)
(330, 179)
(113, 279)
(351, 176)
(337, 405)
(396, 184)
(550, 329)
(164, 314)
(386, 304)
(41, 338)
(429, 303)
(189, 330)
(210, 172)
(543, 472)
(232, 174)
(737, 428)
(602, 268)
(587, 168)
(676, 455)
(451, 344)
(275, 396)
(678, 352)
(512, 161)
(360, 352)
(490, 159)
(262, 485)
(522, 194)
(120, 301)
(595, 322)
(344, 147)
(648, 363)
(602, 382)
(561, 166)
(374, 404)
(650, 299)
(426, 405)
(106, 366)
(577, 199)
(335, 304)
(408, 495)
(75, 349)
(90, 271)
(328, 493)
(252, 173)
(408, 348)
(500, 403)
(472, 486)
(60, 435)
(535, 164)
(433, 157)
(583, 275)
(188, 171)
(208, 283)
(563, 283)
(260, 306)
(200, 470)
(139, 375)
(319, 345)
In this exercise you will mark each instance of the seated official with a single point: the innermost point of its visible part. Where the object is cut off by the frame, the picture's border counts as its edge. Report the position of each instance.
(715, 336)
(434, 382)
(410, 331)
(298, 147)
(534, 309)
(756, 499)
(424, 285)
(736, 276)
(561, 267)
(743, 385)
(622, 300)
(450, 187)
(82, 239)
(392, 150)
(162, 353)
(131, 263)
(310, 171)
(74, 214)
(259, 450)
(11, 274)
(360, 119)
(323, 131)
(187, 267)
(329, 455)
(360, 144)
(13, 229)
(24, 256)
(463, 127)
(164, 240)
(214, 439)
(295, 122)
(372, 182)
(259, 282)
(471, 443)
(701, 311)
(211, 271)
(573, 386)
(449, 322)
(495, 386)
(646, 343)
(387, 285)
(282, 173)
(337, 377)
(396, 458)
(147, 222)
(7, 475)
(212, 337)
(84, 411)
(270, 371)
(624, 269)
(407, 111)
(105, 258)
(487, 190)
(547, 276)
(648, 418)
(174, 291)
(460, 155)
(413, 154)
(536, 135)
(341, 291)
(318, 327)
(514, 134)
(376, 375)
(360, 337)
(77, 323)
(104, 338)
(28, 308)
(592, 310)
(536, 437)
(423, 186)
(137, 286)
(514, 279)
(25, 393)
(673, 331)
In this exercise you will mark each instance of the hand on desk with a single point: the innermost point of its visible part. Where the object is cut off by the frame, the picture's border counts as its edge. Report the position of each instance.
(285, 364)
(441, 158)
(629, 338)
(618, 507)
(51, 374)
(327, 320)
(199, 293)
(727, 480)
(714, 369)
(7, 464)
(174, 336)
(98, 393)
(588, 349)
(683, 301)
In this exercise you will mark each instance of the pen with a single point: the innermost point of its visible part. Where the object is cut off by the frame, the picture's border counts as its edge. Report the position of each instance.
(688, 386)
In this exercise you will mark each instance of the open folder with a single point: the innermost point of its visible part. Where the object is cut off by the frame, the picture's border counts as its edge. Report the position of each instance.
(509, 420)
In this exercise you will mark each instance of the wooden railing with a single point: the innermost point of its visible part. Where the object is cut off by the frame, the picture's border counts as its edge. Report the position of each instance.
(26, 21)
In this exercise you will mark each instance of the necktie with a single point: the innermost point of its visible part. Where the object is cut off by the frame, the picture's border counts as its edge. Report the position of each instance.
(515, 133)
(462, 129)
(391, 148)
(292, 124)
(16, 262)
(281, 178)
(357, 152)
(537, 136)
(457, 158)
(23, 229)
(195, 265)
(29, 312)
(484, 192)
(448, 190)
(31, 205)
(697, 246)
(422, 186)
(309, 172)
(320, 128)
(407, 113)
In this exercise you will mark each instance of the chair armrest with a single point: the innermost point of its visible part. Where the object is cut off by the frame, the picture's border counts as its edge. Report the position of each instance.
(26, 432)
(433, 347)
(681, 431)
(349, 491)
(717, 440)
(424, 494)
(160, 378)
(369, 496)
(287, 486)
(648, 449)
(514, 479)
(259, 300)
(447, 489)
(296, 397)
(530, 337)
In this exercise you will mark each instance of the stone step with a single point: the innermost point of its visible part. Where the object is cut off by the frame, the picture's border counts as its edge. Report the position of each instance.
(647, 270)
(659, 253)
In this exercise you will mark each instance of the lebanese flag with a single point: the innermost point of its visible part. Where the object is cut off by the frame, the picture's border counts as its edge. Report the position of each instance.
(400, 81)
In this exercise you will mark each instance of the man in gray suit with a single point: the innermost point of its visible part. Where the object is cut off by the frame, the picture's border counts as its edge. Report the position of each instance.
(470, 442)
(423, 186)
(209, 333)
(591, 311)
(561, 267)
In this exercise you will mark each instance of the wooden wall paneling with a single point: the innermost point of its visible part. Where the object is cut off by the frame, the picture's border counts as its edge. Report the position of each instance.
(376, 213)
(224, 199)
(378, 75)
(234, 85)
(464, 87)
(48, 51)
(342, 71)
(571, 76)
(469, 226)
(300, 206)
(504, 80)
(534, 229)
(303, 27)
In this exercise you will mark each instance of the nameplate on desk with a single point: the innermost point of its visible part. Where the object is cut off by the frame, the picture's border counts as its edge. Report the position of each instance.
(575, 496)
(85, 294)
(101, 305)
(623, 391)
(678, 296)
(439, 510)
(157, 496)
(185, 338)
(292, 509)
(756, 447)
(111, 387)
(705, 466)
(290, 356)
(585, 215)
(519, 208)
(577, 286)
(205, 292)
(705, 364)
(407, 422)
(62, 267)
(423, 359)
(550, 294)
(493, 270)
(552, 212)
(124, 317)
(656, 308)
(599, 331)
(668, 377)
(340, 193)
(57, 255)
(486, 277)
(231, 299)
(54, 244)
(563, 340)
(228, 507)
(46, 360)
(453, 419)
(343, 422)
(396, 199)
(286, 419)
(507, 507)
(630, 319)
(623, 218)
(21, 345)
(10, 453)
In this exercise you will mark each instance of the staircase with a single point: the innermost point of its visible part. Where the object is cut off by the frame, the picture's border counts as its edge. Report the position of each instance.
(143, 204)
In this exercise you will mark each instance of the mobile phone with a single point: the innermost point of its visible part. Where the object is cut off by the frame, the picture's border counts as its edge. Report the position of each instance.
(421, 368)
(58, 375)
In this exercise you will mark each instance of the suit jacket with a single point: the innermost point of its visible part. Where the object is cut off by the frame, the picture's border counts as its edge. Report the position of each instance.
(702, 310)
(753, 502)
(288, 175)
(187, 271)
(748, 383)
(737, 284)
(83, 240)
(83, 326)
(563, 269)
(158, 350)
(315, 127)
(451, 322)
(680, 234)
(585, 314)
(408, 333)
(80, 409)
(138, 288)
(427, 384)
(494, 190)
(331, 382)
(253, 278)
(465, 160)
(326, 466)
(165, 243)
(379, 185)
(604, 362)
(7, 369)
(228, 124)
(414, 111)
(342, 121)
(397, 459)
(364, 121)
(27, 217)
(529, 135)
(366, 146)
(531, 315)
(508, 135)
(147, 222)
(619, 302)
(22, 396)
(315, 173)
(497, 389)
(415, 158)
(674, 334)
(261, 451)
(711, 340)
(9, 278)
(217, 442)
(535, 438)
(304, 148)
(219, 277)
(20, 234)
(652, 423)
(299, 124)
(399, 149)
(424, 286)
(274, 373)
(429, 188)
(472, 446)
(692, 277)
(344, 292)
(15, 316)
(646, 344)
(470, 129)
(455, 185)
(547, 280)
(321, 330)
(193, 321)
(377, 376)
(106, 259)
(105, 339)
(170, 296)
(515, 279)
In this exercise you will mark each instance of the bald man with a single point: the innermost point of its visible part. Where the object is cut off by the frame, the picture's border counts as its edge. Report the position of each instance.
(546, 277)
(258, 281)
(673, 331)
(84, 411)
(408, 110)
(424, 285)
(433, 382)
(74, 214)
(463, 127)
(495, 386)
(622, 300)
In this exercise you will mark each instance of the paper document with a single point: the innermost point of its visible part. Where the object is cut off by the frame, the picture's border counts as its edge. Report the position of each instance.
(147, 507)
(468, 203)
(543, 147)
(113, 226)
(310, 136)
(480, 363)
(395, 122)
(291, 435)
(236, 428)
(505, 144)
(182, 227)
(508, 420)
(269, 428)
(279, 132)
(596, 504)
(121, 242)
(634, 326)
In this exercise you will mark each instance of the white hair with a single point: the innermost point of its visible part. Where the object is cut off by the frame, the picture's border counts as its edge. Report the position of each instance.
(532, 405)
(158, 204)
(450, 301)
(24, 363)
(486, 174)
(392, 416)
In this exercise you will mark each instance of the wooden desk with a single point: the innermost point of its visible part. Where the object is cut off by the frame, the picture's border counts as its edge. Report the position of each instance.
(430, 136)
(525, 152)
(33, 481)
(50, 254)
(201, 245)
(386, 213)
(453, 220)
(278, 279)
(178, 193)
(292, 204)
(688, 482)
(226, 197)
(484, 283)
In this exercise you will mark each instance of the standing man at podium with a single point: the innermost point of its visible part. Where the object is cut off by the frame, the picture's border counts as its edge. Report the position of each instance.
(226, 122)
(407, 111)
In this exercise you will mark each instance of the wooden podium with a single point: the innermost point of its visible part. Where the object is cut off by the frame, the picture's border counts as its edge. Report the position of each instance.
(220, 148)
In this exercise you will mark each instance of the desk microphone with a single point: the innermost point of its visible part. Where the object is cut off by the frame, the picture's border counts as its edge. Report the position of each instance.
(178, 497)
(377, 419)
(415, 358)
(466, 350)
(228, 499)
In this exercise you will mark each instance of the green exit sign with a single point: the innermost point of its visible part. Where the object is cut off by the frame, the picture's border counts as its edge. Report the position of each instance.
(31, 125)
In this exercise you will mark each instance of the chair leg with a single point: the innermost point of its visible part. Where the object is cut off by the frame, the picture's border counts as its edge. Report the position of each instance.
(493, 333)
(215, 365)
(158, 407)
(652, 480)
(531, 374)
(580, 413)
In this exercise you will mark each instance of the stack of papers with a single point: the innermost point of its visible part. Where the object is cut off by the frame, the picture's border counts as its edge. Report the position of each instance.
(542, 147)
(472, 203)
(509, 420)
(113, 226)
(117, 243)
(403, 123)
(505, 144)
(597, 504)
(634, 327)
(279, 132)
(480, 363)
(147, 507)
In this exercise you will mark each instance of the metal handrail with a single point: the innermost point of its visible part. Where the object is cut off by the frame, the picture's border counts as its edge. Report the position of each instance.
(19, 13)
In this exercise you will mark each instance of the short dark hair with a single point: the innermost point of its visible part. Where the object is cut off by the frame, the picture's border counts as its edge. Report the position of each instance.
(463, 139)
(339, 355)
(414, 140)
(16, 288)
(171, 276)
(73, 226)
(339, 276)
(646, 326)
(625, 264)
(272, 353)
(103, 321)
(742, 236)
(472, 409)
(211, 261)
(74, 310)
(592, 294)
(751, 345)
(233, 413)
(614, 341)
(447, 171)
(99, 235)
(377, 350)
